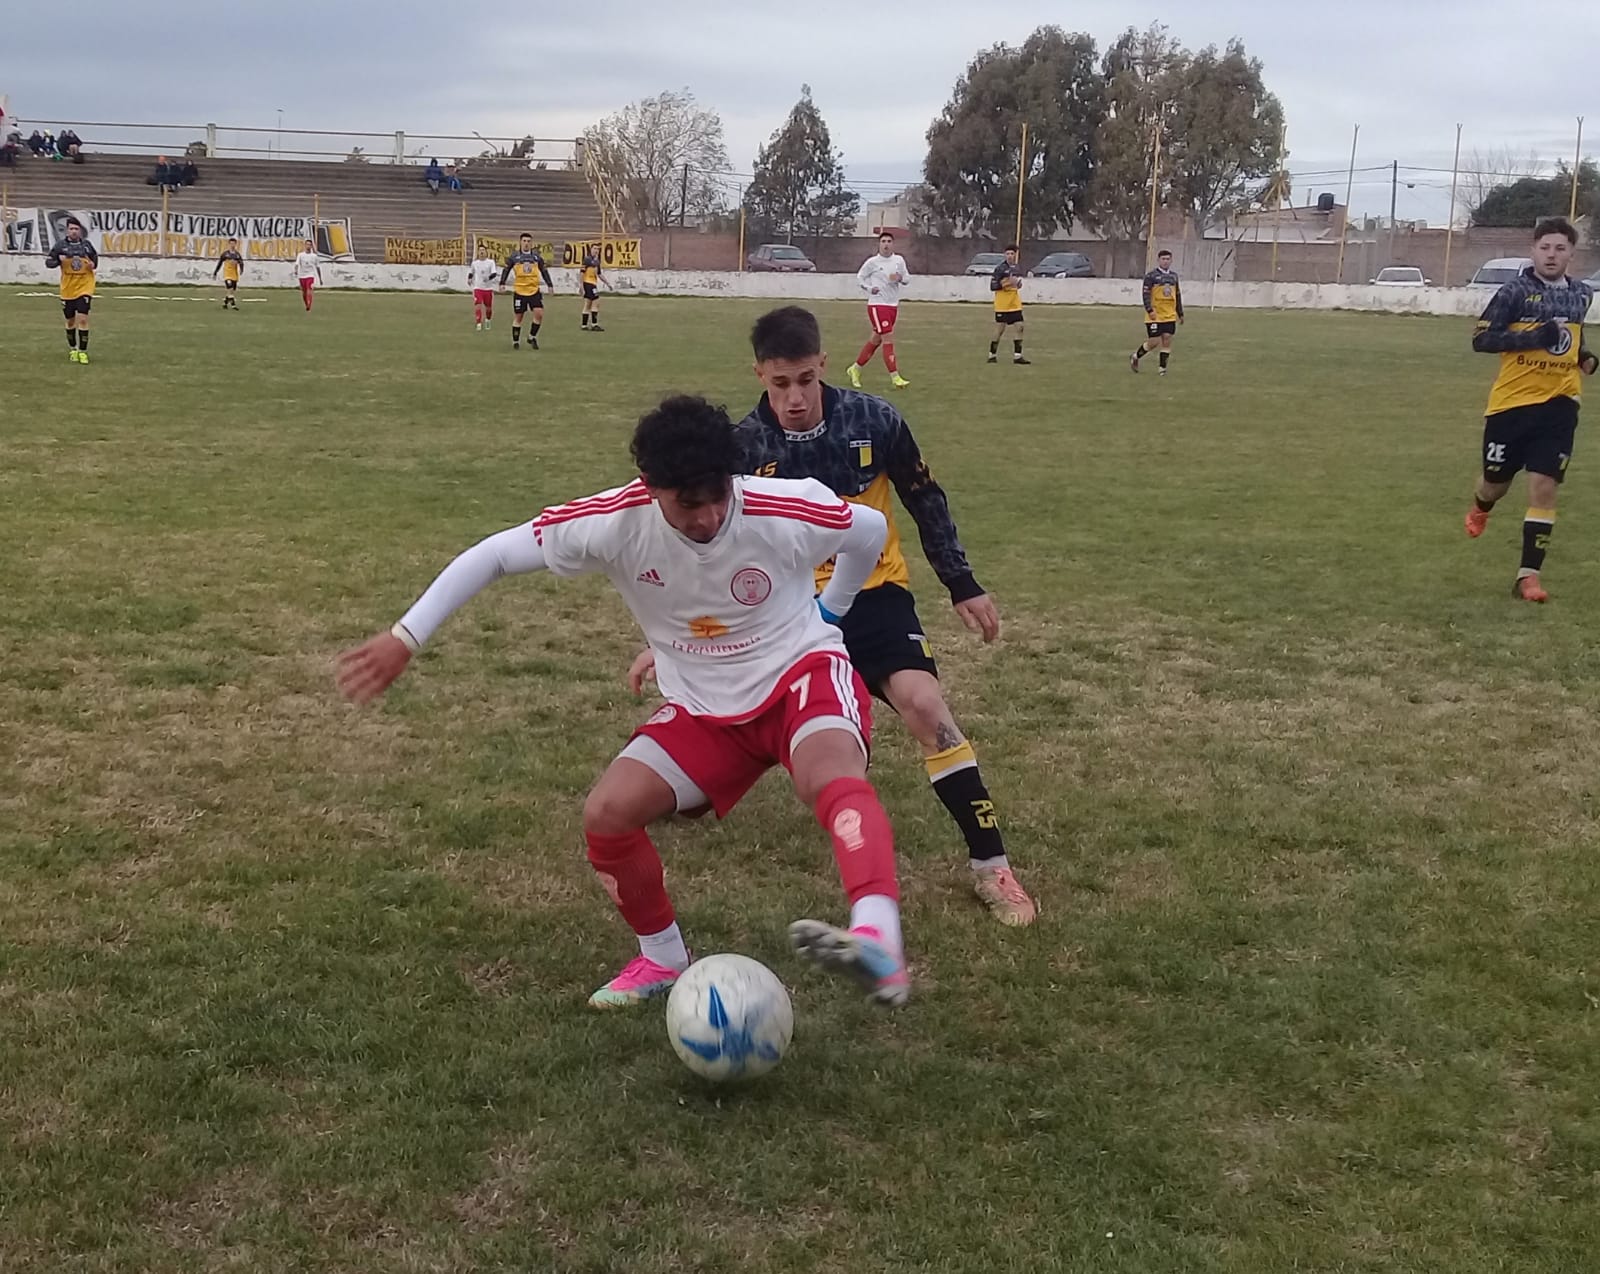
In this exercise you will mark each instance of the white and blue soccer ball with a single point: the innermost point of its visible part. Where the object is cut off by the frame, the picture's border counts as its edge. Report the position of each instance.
(729, 1018)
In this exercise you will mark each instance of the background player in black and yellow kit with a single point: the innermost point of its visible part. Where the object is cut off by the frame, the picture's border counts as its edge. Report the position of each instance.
(76, 258)
(1163, 311)
(530, 276)
(590, 279)
(231, 265)
(1535, 324)
(860, 447)
(1006, 284)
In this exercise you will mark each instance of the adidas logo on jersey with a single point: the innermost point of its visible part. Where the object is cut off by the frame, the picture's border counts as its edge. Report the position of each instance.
(652, 576)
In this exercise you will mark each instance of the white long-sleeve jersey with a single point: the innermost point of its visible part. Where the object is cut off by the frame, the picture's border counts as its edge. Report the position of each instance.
(887, 274)
(306, 265)
(726, 619)
(483, 274)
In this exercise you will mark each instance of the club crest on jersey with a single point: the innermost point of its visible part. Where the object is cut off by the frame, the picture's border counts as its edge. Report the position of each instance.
(707, 627)
(750, 587)
(863, 449)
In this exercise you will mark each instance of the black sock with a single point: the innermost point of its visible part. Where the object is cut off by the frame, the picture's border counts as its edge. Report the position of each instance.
(1484, 506)
(72, 338)
(83, 339)
(967, 799)
(516, 335)
(1536, 529)
(583, 319)
(533, 331)
(1165, 355)
(1016, 349)
(994, 347)
(1139, 353)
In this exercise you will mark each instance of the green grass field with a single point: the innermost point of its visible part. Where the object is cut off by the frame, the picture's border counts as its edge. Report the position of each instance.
(1307, 800)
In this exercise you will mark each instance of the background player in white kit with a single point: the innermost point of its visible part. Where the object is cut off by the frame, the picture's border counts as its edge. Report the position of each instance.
(483, 274)
(882, 276)
(718, 572)
(308, 269)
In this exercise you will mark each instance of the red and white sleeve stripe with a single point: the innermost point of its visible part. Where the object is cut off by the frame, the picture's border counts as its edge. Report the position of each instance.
(628, 497)
(832, 517)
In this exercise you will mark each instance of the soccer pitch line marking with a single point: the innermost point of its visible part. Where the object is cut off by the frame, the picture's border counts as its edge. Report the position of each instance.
(140, 296)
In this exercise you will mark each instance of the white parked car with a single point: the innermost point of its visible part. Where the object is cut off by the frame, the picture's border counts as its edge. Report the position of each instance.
(1491, 274)
(1400, 276)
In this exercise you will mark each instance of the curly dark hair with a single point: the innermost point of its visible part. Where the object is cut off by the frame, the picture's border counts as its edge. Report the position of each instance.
(1555, 225)
(687, 444)
(790, 333)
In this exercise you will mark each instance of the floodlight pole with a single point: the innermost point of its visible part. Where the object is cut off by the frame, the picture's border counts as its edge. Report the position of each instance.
(1577, 164)
(1022, 179)
(1450, 225)
(1349, 189)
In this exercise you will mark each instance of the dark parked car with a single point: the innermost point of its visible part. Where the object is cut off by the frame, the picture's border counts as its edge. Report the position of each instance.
(782, 257)
(984, 263)
(1064, 265)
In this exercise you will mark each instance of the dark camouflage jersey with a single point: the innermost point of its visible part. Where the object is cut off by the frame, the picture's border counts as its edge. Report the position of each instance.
(862, 448)
(1534, 369)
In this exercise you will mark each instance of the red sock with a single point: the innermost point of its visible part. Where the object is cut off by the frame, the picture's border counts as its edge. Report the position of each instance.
(865, 356)
(630, 870)
(488, 308)
(889, 359)
(477, 311)
(863, 841)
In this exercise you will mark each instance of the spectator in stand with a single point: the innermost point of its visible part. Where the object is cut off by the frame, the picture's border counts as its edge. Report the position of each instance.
(70, 146)
(37, 143)
(188, 174)
(9, 151)
(433, 175)
(168, 175)
(453, 178)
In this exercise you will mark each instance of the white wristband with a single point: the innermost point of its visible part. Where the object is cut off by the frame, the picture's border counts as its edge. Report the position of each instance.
(406, 639)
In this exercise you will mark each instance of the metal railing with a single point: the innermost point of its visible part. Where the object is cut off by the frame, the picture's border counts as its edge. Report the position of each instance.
(221, 141)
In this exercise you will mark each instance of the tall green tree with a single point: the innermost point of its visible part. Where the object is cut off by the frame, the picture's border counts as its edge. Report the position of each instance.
(1522, 202)
(1053, 82)
(798, 190)
(661, 156)
(1225, 131)
(1142, 71)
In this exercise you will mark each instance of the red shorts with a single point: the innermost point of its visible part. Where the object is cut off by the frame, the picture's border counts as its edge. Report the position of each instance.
(725, 758)
(483, 296)
(307, 284)
(882, 318)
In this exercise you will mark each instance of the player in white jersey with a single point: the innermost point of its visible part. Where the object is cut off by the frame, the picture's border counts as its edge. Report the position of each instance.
(483, 273)
(718, 572)
(882, 276)
(308, 269)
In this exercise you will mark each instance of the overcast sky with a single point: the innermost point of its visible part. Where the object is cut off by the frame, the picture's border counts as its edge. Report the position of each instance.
(1407, 71)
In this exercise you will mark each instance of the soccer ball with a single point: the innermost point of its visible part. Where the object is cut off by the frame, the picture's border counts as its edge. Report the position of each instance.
(729, 1018)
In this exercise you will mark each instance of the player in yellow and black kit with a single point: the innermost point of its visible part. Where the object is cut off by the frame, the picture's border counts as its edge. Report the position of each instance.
(860, 447)
(531, 276)
(1163, 311)
(592, 276)
(1535, 324)
(77, 260)
(231, 266)
(1006, 284)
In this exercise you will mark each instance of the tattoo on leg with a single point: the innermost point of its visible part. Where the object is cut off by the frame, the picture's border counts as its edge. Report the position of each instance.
(946, 737)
